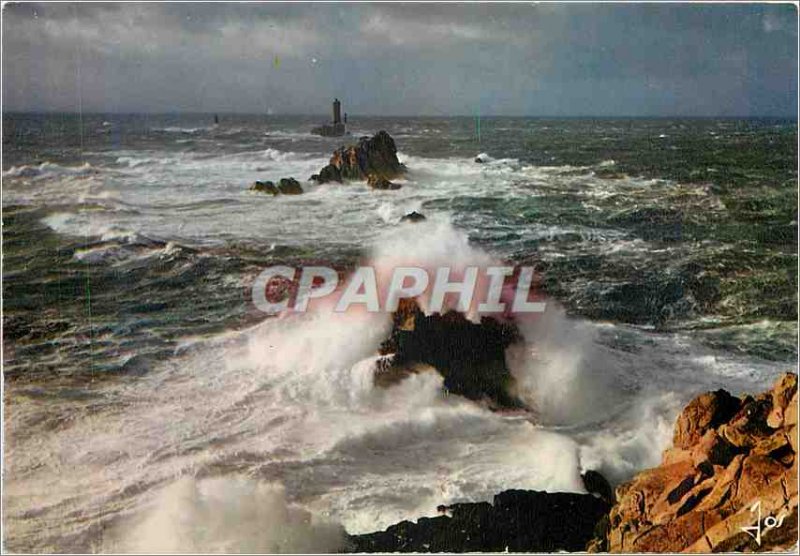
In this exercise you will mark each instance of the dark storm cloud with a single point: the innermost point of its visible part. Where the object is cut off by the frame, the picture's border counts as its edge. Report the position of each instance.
(549, 59)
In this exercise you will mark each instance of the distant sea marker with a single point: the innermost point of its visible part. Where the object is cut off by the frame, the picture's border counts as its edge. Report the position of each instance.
(478, 123)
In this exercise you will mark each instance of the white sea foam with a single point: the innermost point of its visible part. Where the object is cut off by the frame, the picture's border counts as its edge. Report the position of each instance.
(291, 399)
(225, 515)
(48, 170)
(178, 129)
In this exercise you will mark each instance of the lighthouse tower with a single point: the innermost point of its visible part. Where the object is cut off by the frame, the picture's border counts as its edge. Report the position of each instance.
(337, 111)
(336, 128)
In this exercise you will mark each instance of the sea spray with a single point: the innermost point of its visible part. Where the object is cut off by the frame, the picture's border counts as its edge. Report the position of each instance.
(561, 372)
(224, 515)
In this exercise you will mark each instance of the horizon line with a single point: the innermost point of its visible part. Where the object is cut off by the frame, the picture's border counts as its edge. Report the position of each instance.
(321, 115)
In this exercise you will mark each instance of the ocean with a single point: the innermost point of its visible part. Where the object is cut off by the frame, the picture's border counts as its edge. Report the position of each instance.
(150, 406)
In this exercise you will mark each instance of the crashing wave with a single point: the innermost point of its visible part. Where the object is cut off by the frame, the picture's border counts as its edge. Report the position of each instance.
(49, 169)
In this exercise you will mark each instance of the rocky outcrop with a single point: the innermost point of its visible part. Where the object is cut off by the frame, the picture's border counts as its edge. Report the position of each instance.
(517, 521)
(289, 186)
(470, 356)
(286, 186)
(732, 465)
(372, 158)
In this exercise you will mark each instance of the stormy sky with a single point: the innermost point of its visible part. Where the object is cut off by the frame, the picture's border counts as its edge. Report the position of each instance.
(403, 59)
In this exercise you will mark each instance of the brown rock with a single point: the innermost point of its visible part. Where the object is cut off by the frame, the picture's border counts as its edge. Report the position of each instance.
(714, 449)
(790, 413)
(758, 472)
(727, 458)
(772, 445)
(791, 435)
(378, 182)
(675, 455)
(705, 412)
(663, 538)
(749, 426)
(782, 393)
(723, 487)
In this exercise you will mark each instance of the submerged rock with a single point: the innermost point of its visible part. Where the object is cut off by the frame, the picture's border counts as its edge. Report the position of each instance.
(470, 356)
(373, 157)
(377, 182)
(286, 186)
(264, 187)
(290, 186)
(728, 454)
(413, 216)
(517, 521)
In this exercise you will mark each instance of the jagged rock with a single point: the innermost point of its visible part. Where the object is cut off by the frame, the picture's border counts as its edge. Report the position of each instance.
(289, 186)
(595, 483)
(781, 396)
(714, 449)
(725, 459)
(705, 412)
(328, 174)
(413, 216)
(374, 156)
(377, 182)
(517, 521)
(264, 187)
(470, 356)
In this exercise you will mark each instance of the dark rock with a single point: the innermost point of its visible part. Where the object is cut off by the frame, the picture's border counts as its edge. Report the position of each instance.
(372, 156)
(328, 174)
(479, 160)
(470, 356)
(377, 182)
(518, 521)
(264, 187)
(289, 186)
(595, 483)
(413, 217)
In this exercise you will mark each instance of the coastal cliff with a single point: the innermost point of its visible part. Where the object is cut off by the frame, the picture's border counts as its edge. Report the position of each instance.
(728, 483)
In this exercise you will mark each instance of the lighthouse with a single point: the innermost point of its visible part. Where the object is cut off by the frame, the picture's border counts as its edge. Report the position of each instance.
(337, 111)
(336, 128)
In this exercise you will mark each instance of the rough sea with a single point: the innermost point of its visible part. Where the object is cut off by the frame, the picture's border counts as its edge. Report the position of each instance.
(150, 406)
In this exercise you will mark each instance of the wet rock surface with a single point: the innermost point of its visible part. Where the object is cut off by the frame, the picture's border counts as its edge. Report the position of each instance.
(470, 356)
(730, 455)
(373, 158)
(516, 521)
(286, 186)
(413, 216)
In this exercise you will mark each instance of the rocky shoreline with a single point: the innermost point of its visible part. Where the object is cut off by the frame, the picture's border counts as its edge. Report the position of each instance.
(516, 521)
(728, 483)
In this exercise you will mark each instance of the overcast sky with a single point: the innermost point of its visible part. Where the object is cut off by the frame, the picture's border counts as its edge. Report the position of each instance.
(403, 59)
